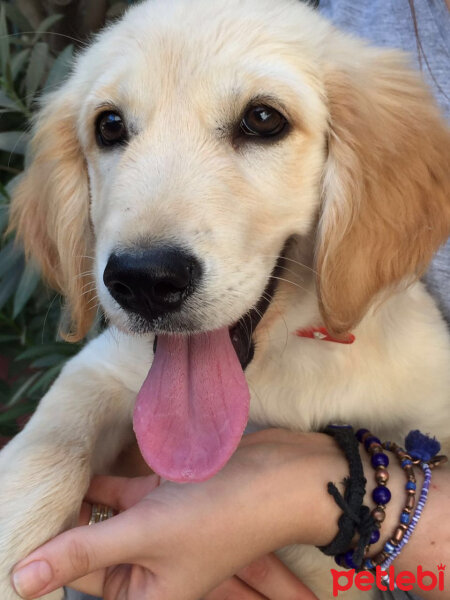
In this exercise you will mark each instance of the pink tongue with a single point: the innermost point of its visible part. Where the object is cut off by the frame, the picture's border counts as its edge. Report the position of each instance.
(192, 410)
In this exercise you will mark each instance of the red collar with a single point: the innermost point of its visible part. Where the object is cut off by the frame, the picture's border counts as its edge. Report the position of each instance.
(320, 333)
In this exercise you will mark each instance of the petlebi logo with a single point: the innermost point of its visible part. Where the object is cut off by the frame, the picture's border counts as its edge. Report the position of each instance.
(388, 580)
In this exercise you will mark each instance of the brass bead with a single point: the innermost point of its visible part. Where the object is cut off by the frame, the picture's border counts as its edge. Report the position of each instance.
(378, 514)
(381, 475)
(407, 510)
(410, 503)
(398, 536)
(411, 492)
(365, 436)
(375, 448)
(379, 558)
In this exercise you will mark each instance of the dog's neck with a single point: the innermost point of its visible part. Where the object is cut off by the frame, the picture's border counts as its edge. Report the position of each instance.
(319, 381)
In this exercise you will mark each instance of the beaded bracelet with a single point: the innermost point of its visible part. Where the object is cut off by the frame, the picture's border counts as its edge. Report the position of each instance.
(415, 519)
(392, 544)
(421, 450)
(381, 495)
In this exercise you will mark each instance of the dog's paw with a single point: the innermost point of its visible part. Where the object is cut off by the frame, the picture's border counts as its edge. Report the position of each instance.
(41, 489)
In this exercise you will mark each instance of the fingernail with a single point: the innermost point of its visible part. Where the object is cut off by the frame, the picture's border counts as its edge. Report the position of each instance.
(30, 580)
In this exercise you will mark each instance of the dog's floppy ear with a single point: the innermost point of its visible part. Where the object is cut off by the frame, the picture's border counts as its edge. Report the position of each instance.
(386, 205)
(50, 209)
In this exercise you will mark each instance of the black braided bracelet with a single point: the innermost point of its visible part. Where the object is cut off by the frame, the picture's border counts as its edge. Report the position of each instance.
(355, 516)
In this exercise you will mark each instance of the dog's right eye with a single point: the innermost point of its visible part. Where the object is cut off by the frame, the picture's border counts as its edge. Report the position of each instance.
(110, 129)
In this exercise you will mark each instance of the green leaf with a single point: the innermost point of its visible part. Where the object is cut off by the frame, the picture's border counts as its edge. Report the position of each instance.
(14, 141)
(44, 382)
(8, 338)
(51, 360)
(9, 430)
(18, 62)
(4, 40)
(10, 187)
(60, 69)
(7, 102)
(4, 193)
(22, 389)
(9, 286)
(4, 218)
(28, 284)
(17, 18)
(10, 256)
(35, 71)
(17, 411)
(46, 25)
(45, 349)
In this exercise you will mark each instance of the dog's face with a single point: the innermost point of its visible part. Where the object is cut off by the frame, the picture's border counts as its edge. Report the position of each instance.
(193, 140)
(204, 155)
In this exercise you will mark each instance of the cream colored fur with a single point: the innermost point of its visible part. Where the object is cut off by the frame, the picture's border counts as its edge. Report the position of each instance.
(360, 186)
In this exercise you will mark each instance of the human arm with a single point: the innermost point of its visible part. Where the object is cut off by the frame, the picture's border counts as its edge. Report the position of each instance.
(184, 540)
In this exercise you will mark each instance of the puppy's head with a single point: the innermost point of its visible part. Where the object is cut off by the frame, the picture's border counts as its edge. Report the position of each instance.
(188, 160)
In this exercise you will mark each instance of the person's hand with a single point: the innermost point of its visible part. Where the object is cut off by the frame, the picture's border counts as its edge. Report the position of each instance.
(182, 541)
(266, 578)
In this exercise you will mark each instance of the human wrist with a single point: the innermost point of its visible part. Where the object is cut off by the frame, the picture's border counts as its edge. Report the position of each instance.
(316, 514)
(331, 466)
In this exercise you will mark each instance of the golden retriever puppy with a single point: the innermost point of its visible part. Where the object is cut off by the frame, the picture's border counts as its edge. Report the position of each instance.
(242, 188)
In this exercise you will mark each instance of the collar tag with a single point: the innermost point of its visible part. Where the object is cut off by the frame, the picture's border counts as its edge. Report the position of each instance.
(321, 334)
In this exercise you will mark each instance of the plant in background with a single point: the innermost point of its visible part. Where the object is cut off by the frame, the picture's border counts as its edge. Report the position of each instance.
(38, 39)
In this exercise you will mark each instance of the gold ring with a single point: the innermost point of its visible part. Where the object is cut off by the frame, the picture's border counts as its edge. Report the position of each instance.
(100, 512)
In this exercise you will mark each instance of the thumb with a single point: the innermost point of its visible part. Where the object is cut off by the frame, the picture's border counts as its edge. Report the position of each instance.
(79, 552)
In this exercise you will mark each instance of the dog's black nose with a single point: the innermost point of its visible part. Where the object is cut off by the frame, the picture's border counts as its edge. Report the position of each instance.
(151, 282)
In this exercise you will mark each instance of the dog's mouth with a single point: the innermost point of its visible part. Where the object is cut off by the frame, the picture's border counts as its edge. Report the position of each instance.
(241, 333)
(192, 409)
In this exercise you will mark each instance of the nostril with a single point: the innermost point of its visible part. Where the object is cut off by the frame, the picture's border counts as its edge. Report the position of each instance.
(119, 289)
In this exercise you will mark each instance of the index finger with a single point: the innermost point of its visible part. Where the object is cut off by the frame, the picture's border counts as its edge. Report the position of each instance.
(82, 551)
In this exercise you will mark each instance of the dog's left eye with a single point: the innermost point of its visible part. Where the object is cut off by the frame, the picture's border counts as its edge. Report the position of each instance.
(110, 129)
(263, 121)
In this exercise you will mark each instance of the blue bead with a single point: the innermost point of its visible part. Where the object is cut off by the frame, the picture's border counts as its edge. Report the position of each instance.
(360, 433)
(404, 518)
(389, 548)
(381, 495)
(405, 462)
(369, 564)
(374, 536)
(348, 557)
(370, 440)
(410, 485)
(339, 560)
(379, 460)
